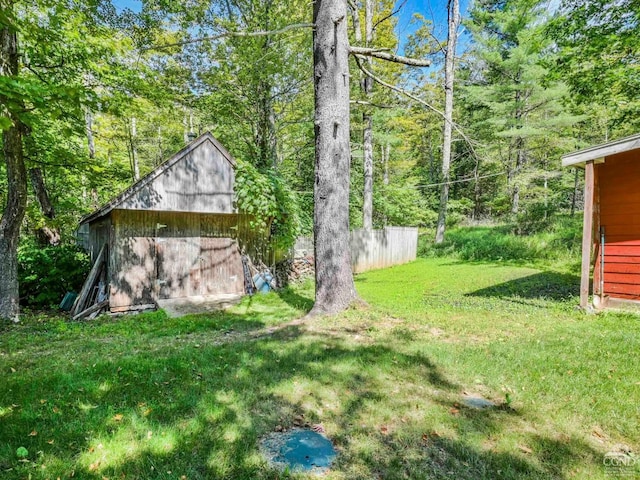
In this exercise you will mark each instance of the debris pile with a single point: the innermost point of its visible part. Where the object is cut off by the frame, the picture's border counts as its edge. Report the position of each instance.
(301, 268)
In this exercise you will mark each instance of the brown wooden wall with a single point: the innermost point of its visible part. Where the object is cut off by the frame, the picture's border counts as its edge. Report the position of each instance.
(155, 255)
(618, 202)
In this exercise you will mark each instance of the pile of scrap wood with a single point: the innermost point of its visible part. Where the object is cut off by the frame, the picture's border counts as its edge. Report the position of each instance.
(301, 268)
(93, 297)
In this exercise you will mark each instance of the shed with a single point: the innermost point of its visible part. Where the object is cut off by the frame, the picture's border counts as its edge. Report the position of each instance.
(611, 229)
(175, 233)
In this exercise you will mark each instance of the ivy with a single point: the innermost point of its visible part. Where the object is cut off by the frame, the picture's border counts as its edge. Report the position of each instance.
(266, 197)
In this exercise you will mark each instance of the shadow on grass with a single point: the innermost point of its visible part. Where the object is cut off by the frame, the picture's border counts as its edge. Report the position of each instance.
(195, 403)
(293, 299)
(545, 285)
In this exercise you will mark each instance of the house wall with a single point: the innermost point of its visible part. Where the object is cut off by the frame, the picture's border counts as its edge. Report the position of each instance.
(202, 181)
(156, 255)
(618, 212)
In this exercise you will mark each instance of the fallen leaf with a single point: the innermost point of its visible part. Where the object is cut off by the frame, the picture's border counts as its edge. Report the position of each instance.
(33, 433)
(13, 370)
(117, 417)
(56, 410)
(454, 411)
(525, 449)
(94, 466)
(50, 442)
(384, 430)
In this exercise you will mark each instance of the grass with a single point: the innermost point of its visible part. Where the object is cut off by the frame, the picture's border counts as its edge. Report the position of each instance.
(559, 245)
(147, 397)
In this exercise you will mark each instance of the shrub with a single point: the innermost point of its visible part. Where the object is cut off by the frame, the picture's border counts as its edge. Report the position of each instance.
(559, 245)
(46, 273)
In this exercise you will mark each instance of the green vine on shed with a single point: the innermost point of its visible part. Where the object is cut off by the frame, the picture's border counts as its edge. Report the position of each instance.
(266, 197)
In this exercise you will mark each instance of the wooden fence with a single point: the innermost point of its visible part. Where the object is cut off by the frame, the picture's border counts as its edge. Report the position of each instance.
(371, 249)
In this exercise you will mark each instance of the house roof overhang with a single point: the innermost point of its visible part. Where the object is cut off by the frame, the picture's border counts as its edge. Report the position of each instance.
(114, 202)
(599, 152)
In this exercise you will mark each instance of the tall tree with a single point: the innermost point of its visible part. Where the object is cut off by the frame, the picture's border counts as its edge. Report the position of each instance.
(367, 119)
(335, 289)
(598, 59)
(453, 8)
(12, 148)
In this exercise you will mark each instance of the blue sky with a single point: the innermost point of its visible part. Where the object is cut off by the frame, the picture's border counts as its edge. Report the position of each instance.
(434, 10)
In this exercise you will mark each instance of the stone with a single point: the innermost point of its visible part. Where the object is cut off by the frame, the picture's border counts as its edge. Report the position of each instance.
(476, 402)
(299, 449)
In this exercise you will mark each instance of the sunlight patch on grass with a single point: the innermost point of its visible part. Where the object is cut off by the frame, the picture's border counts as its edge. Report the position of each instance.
(130, 440)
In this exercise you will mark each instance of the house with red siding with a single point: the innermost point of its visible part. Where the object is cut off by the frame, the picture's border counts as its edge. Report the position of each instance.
(611, 229)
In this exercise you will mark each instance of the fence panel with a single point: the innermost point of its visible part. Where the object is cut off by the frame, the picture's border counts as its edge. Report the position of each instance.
(371, 249)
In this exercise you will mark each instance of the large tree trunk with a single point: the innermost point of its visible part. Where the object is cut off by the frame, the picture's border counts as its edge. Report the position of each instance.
(449, 69)
(367, 118)
(335, 290)
(16, 185)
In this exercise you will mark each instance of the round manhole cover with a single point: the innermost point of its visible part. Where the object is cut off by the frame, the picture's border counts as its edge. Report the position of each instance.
(299, 449)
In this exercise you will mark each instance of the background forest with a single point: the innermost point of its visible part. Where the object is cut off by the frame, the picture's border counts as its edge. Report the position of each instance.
(107, 93)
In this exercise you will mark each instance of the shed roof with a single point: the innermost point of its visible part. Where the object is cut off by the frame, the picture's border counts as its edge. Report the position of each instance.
(155, 173)
(580, 157)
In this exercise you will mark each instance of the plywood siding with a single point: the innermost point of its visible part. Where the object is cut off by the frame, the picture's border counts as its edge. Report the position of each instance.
(132, 259)
(98, 235)
(619, 199)
(160, 255)
(202, 181)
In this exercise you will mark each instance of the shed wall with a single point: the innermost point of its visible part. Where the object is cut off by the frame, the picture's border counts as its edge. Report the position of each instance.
(202, 181)
(158, 255)
(618, 181)
(99, 234)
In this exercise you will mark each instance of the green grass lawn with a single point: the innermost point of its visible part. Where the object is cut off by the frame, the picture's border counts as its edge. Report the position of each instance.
(144, 396)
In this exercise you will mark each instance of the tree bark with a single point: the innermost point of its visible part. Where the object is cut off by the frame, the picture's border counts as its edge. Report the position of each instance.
(16, 183)
(574, 197)
(520, 158)
(367, 118)
(335, 289)
(88, 122)
(39, 188)
(46, 235)
(135, 163)
(454, 22)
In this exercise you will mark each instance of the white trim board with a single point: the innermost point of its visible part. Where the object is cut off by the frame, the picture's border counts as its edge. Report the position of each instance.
(599, 152)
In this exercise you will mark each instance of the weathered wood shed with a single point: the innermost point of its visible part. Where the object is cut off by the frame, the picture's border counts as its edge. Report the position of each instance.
(175, 233)
(611, 230)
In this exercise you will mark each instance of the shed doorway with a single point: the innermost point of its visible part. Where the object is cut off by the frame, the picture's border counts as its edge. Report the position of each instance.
(195, 266)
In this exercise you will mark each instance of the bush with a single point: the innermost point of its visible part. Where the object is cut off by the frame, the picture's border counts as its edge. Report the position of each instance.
(559, 245)
(47, 273)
